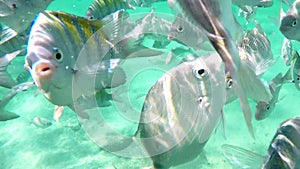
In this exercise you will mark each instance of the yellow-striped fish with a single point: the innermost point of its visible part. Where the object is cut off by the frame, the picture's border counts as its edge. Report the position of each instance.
(102, 8)
(69, 56)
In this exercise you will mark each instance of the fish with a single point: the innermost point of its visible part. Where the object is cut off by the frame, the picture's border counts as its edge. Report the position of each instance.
(255, 49)
(215, 17)
(143, 3)
(287, 2)
(21, 12)
(263, 108)
(41, 122)
(4, 114)
(287, 52)
(289, 24)
(253, 3)
(283, 151)
(6, 79)
(65, 52)
(102, 8)
(295, 67)
(181, 111)
(11, 41)
(188, 34)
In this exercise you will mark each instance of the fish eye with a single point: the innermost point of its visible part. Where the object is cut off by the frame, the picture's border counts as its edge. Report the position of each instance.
(294, 23)
(199, 73)
(229, 82)
(267, 106)
(57, 55)
(14, 6)
(91, 17)
(180, 28)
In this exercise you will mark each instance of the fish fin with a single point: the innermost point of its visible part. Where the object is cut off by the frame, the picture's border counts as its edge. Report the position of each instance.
(287, 78)
(242, 158)
(223, 123)
(6, 80)
(58, 111)
(6, 34)
(5, 115)
(265, 65)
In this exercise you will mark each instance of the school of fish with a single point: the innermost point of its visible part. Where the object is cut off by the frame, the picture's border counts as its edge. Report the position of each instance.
(78, 62)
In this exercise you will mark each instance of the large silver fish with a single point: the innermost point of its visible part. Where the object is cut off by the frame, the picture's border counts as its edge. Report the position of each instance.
(283, 152)
(69, 56)
(182, 110)
(18, 14)
(217, 20)
(290, 25)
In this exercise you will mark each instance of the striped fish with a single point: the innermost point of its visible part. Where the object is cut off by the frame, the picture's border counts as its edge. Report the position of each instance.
(283, 152)
(102, 8)
(182, 110)
(66, 53)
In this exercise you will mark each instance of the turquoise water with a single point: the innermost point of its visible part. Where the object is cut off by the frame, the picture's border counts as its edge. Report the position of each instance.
(66, 145)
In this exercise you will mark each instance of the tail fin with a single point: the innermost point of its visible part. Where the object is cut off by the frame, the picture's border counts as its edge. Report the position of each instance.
(242, 158)
(5, 115)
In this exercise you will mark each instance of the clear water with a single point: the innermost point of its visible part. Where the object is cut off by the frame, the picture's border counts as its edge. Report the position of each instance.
(66, 145)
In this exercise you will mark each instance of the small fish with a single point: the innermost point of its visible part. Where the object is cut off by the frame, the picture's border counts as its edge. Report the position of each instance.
(283, 151)
(217, 19)
(67, 53)
(102, 8)
(182, 110)
(295, 67)
(5, 115)
(21, 12)
(41, 122)
(189, 34)
(289, 25)
(263, 108)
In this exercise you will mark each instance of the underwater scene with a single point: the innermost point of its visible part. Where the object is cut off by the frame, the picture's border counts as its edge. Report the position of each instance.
(115, 84)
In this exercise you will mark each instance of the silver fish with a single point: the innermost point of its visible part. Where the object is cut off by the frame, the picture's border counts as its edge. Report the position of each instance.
(289, 25)
(263, 108)
(143, 3)
(287, 52)
(22, 12)
(216, 18)
(41, 122)
(182, 110)
(66, 52)
(4, 114)
(283, 152)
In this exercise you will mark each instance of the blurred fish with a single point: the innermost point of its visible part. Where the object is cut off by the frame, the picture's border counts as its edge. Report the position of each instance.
(102, 8)
(5, 78)
(41, 122)
(263, 108)
(21, 13)
(5, 115)
(283, 151)
(289, 25)
(182, 110)
(11, 41)
(143, 3)
(189, 34)
(255, 49)
(216, 18)
(67, 53)
(287, 52)
(295, 67)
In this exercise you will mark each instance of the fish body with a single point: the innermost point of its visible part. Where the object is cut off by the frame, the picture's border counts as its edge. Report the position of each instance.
(287, 52)
(70, 57)
(102, 8)
(216, 18)
(181, 111)
(283, 151)
(289, 25)
(22, 12)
